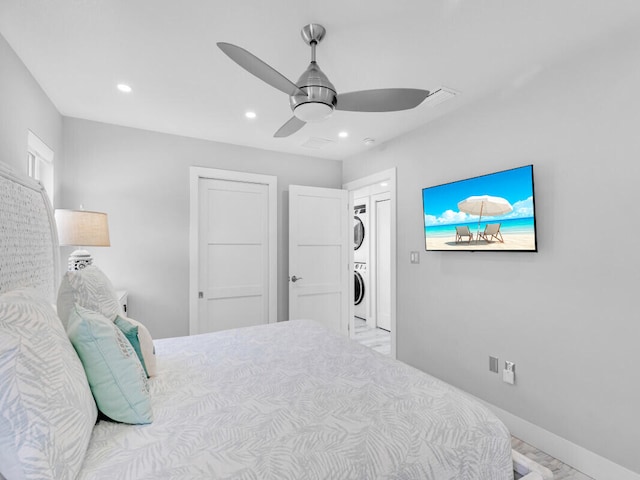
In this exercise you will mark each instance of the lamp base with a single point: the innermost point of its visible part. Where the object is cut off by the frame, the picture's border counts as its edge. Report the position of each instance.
(79, 259)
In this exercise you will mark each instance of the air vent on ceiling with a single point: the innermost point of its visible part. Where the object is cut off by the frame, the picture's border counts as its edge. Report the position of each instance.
(441, 95)
(316, 143)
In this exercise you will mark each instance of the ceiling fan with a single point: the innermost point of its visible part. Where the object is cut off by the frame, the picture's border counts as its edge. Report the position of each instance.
(314, 97)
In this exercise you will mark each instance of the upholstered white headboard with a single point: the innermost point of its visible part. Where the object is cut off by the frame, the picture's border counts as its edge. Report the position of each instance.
(29, 254)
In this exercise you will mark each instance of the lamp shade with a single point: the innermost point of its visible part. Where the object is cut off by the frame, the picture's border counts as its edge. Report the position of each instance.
(82, 228)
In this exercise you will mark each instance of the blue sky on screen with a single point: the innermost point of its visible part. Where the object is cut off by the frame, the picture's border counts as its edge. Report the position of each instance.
(441, 202)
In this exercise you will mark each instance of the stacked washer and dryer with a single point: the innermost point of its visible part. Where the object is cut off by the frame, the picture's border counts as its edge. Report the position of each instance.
(361, 257)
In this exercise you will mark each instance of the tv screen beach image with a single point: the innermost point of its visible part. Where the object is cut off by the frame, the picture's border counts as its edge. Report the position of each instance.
(491, 212)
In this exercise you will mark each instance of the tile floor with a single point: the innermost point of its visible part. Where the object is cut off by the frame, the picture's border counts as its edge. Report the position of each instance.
(380, 341)
(561, 471)
(375, 338)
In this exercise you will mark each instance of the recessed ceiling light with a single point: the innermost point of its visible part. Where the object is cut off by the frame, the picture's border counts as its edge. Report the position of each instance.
(250, 114)
(123, 87)
(343, 134)
(384, 184)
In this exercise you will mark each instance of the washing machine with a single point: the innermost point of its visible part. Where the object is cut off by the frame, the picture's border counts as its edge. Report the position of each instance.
(360, 232)
(361, 279)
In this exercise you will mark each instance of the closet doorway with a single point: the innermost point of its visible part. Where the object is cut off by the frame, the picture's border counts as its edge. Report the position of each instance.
(233, 249)
(372, 199)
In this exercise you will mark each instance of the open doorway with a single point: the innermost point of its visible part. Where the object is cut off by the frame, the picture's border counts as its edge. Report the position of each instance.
(372, 200)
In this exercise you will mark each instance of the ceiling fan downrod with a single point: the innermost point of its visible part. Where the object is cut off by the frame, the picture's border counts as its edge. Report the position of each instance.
(320, 99)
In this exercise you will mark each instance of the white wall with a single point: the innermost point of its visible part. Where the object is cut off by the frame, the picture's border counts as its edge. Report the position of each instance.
(141, 179)
(24, 106)
(567, 315)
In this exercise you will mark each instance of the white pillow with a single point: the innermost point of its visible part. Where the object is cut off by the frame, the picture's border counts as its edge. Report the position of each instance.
(146, 346)
(90, 288)
(47, 412)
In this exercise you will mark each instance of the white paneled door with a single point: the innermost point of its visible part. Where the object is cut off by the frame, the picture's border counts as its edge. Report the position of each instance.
(233, 254)
(320, 239)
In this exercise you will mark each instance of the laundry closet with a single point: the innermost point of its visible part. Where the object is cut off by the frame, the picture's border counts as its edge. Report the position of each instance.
(372, 256)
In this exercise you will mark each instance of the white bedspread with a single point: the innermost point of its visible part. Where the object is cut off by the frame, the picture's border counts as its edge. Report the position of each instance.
(294, 401)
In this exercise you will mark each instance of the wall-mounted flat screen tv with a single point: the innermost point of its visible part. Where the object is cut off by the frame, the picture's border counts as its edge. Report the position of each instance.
(494, 212)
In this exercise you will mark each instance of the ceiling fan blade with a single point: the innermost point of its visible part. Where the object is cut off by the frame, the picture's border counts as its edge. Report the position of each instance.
(381, 100)
(257, 67)
(292, 126)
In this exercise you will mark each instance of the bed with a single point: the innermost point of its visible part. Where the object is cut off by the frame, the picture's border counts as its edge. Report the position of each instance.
(290, 400)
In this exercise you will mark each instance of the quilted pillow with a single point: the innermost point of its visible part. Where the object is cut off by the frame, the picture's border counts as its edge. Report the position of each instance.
(141, 341)
(90, 288)
(115, 374)
(47, 412)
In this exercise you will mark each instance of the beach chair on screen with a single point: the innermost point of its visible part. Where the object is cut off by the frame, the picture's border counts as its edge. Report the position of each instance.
(492, 232)
(463, 232)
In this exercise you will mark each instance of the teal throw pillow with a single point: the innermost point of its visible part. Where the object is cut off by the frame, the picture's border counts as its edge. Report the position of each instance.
(131, 332)
(116, 377)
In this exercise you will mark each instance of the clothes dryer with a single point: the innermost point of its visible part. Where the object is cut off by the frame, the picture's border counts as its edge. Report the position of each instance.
(360, 232)
(360, 278)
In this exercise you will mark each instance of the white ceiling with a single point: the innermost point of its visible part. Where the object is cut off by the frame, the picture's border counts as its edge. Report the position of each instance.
(78, 50)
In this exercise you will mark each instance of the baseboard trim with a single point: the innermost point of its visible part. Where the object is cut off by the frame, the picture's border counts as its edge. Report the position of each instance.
(578, 457)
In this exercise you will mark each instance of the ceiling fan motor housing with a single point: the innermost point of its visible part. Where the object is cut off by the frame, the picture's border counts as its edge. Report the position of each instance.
(320, 99)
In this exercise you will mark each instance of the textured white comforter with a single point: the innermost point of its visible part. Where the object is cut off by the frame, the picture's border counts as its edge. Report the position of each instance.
(294, 401)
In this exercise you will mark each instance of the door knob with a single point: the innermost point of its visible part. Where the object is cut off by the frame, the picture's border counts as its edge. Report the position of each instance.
(295, 279)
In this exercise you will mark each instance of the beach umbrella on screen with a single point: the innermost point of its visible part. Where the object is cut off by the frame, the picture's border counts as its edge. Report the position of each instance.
(484, 205)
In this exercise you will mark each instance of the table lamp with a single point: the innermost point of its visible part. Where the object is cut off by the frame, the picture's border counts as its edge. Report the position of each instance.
(82, 228)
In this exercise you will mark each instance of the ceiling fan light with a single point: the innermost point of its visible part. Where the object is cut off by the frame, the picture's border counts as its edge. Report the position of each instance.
(313, 111)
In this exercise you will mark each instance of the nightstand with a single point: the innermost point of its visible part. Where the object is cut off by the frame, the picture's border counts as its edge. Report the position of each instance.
(123, 299)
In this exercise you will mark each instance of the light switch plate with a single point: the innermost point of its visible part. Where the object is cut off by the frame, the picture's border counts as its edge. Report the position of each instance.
(415, 257)
(493, 364)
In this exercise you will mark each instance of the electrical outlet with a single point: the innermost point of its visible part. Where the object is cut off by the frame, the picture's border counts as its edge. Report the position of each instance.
(493, 364)
(509, 373)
